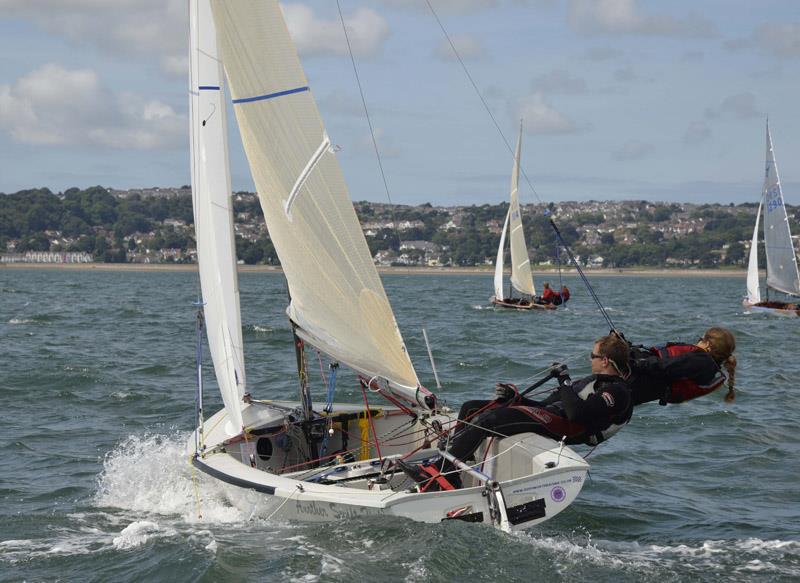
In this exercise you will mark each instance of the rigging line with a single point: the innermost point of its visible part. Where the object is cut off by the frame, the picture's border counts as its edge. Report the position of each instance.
(369, 121)
(480, 96)
(583, 277)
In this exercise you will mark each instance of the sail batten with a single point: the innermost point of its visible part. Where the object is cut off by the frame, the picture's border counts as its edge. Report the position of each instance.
(337, 297)
(521, 276)
(213, 212)
(782, 271)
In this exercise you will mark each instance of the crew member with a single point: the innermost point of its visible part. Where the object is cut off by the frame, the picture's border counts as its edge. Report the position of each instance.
(675, 372)
(548, 295)
(588, 411)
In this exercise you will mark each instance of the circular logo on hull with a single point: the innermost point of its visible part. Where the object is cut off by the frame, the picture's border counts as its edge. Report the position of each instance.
(558, 494)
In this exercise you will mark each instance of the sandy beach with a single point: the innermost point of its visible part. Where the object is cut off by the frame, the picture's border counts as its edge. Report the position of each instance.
(482, 271)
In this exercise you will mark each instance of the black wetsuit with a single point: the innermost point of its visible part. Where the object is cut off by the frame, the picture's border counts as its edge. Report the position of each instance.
(563, 413)
(652, 376)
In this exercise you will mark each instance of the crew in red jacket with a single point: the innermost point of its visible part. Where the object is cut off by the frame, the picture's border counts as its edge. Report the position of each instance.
(548, 295)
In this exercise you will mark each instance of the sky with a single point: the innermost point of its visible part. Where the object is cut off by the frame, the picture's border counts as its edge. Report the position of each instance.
(619, 99)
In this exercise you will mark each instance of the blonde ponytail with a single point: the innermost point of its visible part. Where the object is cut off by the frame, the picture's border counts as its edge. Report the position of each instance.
(730, 367)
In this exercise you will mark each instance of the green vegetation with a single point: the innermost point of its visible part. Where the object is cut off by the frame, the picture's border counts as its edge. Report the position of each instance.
(157, 225)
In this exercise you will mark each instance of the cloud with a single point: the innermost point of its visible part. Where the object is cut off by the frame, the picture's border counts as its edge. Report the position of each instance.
(559, 81)
(633, 150)
(780, 40)
(624, 17)
(366, 29)
(443, 6)
(458, 7)
(467, 45)
(696, 133)
(149, 29)
(386, 146)
(539, 118)
(739, 106)
(56, 106)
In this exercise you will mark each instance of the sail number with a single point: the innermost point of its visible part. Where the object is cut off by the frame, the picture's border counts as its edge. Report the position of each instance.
(773, 204)
(774, 198)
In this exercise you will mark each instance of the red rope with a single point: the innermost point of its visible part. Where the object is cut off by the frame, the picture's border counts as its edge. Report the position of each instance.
(371, 424)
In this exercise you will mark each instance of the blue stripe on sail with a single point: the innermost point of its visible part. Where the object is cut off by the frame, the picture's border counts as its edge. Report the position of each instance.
(208, 88)
(271, 95)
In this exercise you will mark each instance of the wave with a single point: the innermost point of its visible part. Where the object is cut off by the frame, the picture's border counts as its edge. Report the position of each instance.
(150, 474)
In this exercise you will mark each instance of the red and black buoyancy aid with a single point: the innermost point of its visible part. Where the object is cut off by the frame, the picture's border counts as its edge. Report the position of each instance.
(686, 389)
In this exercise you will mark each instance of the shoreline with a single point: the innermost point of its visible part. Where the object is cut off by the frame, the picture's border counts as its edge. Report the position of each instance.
(486, 271)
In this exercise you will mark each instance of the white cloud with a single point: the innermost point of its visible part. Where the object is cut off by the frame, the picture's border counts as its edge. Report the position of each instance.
(540, 118)
(633, 150)
(151, 29)
(443, 6)
(624, 17)
(467, 45)
(386, 145)
(739, 106)
(559, 81)
(56, 106)
(314, 36)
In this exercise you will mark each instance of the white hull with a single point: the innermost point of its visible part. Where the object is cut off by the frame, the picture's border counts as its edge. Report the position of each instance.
(782, 312)
(531, 480)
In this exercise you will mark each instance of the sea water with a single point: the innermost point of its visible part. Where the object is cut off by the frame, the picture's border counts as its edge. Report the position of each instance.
(97, 399)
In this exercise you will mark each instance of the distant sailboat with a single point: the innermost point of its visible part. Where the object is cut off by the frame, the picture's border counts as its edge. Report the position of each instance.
(288, 459)
(521, 276)
(782, 271)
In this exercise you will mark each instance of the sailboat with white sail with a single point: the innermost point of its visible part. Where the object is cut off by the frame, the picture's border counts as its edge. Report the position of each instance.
(782, 272)
(288, 459)
(521, 276)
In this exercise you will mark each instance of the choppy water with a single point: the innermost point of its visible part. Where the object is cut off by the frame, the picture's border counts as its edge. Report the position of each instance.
(97, 390)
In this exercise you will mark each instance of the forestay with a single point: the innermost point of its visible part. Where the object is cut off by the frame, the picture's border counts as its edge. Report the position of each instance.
(753, 289)
(782, 273)
(521, 277)
(337, 300)
(498, 266)
(211, 197)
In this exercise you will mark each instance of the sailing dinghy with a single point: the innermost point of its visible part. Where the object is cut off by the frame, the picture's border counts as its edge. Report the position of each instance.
(289, 459)
(521, 276)
(782, 272)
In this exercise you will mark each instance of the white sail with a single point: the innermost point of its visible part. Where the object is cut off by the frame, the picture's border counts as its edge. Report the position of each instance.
(498, 266)
(337, 299)
(753, 289)
(211, 196)
(782, 273)
(521, 277)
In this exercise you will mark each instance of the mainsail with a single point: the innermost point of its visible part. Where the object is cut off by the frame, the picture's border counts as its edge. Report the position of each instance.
(753, 289)
(521, 277)
(782, 273)
(213, 217)
(498, 266)
(337, 300)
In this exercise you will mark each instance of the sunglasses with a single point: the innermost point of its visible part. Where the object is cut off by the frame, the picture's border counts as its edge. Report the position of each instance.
(598, 356)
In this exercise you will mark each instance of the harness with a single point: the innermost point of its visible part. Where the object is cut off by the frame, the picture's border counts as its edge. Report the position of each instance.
(686, 389)
(558, 425)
